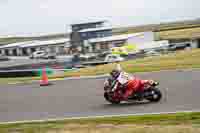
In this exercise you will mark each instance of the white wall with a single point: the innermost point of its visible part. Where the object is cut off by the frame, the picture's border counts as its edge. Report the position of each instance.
(3, 51)
(153, 45)
(10, 52)
(29, 51)
(141, 38)
(194, 43)
(56, 48)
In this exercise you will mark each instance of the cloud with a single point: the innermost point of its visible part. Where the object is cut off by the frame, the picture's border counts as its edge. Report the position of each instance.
(36, 16)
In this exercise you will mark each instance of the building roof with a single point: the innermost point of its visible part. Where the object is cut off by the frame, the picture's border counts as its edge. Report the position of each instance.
(35, 43)
(95, 22)
(95, 29)
(42, 43)
(15, 44)
(113, 38)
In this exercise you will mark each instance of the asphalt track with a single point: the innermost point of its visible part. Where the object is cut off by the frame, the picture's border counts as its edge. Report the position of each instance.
(82, 98)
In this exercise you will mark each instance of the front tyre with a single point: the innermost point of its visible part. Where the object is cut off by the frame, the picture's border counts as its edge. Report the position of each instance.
(109, 98)
(156, 95)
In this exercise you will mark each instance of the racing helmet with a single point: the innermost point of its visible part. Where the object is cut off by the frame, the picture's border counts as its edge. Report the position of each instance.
(115, 73)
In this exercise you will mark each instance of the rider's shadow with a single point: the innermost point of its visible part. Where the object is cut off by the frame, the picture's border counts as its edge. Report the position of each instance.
(125, 104)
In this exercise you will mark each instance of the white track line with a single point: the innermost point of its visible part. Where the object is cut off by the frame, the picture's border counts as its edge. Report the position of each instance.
(93, 117)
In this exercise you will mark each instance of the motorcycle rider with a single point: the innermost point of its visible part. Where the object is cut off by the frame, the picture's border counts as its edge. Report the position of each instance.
(111, 79)
(128, 83)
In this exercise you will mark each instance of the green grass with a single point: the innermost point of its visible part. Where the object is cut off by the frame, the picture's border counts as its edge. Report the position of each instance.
(171, 30)
(179, 60)
(12, 40)
(189, 119)
(178, 34)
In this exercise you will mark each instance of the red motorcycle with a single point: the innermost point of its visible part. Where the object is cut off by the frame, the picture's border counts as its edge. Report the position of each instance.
(150, 92)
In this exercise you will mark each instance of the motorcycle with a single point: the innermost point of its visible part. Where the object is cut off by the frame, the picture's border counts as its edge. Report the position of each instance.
(150, 92)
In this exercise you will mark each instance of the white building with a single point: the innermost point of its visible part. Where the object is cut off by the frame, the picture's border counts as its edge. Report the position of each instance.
(154, 45)
(106, 43)
(26, 48)
(143, 41)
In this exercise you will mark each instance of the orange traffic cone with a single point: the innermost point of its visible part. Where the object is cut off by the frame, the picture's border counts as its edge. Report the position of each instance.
(44, 81)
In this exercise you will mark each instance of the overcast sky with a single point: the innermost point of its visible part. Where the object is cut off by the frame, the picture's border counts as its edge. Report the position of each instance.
(32, 17)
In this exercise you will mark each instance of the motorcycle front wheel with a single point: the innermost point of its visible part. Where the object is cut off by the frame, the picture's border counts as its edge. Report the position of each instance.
(155, 95)
(109, 98)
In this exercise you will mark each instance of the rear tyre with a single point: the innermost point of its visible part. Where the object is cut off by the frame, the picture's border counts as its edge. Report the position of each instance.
(155, 96)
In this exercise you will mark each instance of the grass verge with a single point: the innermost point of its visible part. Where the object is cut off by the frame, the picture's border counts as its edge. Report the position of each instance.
(178, 60)
(172, 122)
